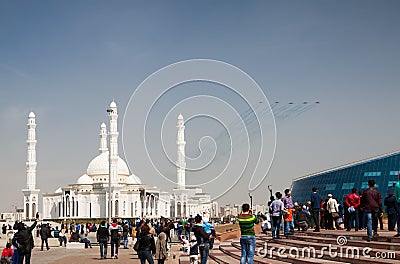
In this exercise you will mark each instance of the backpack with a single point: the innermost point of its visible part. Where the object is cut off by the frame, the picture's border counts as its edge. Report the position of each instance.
(114, 234)
(125, 230)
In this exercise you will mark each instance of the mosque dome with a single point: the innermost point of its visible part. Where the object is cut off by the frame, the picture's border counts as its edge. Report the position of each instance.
(133, 179)
(85, 179)
(100, 166)
(31, 115)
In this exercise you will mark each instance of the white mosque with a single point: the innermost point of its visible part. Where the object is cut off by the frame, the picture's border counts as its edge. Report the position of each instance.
(90, 196)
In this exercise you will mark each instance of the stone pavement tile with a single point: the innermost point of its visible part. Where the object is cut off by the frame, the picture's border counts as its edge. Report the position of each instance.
(91, 255)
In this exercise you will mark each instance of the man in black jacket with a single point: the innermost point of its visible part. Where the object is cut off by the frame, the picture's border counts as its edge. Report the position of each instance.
(44, 235)
(202, 238)
(315, 208)
(102, 237)
(23, 241)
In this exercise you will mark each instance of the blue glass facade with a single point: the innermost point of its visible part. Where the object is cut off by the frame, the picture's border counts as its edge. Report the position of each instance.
(339, 181)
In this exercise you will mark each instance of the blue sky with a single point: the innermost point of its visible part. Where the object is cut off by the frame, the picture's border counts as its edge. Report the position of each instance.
(66, 60)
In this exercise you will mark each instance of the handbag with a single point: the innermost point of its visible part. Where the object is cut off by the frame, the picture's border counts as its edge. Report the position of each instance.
(335, 215)
(137, 244)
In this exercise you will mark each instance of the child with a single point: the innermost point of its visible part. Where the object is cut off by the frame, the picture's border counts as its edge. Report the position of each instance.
(209, 228)
(194, 250)
(7, 254)
(288, 222)
(266, 224)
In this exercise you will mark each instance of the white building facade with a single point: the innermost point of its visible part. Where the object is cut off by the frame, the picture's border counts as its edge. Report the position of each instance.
(89, 196)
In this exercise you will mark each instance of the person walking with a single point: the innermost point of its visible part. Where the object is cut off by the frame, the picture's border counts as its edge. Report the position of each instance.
(352, 203)
(102, 236)
(315, 200)
(202, 238)
(147, 246)
(161, 248)
(247, 239)
(23, 241)
(276, 210)
(371, 201)
(125, 232)
(115, 231)
(397, 195)
(333, 212)
(391, 209)
(44, 235)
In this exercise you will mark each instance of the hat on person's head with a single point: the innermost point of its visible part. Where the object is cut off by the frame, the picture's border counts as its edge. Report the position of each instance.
(390, 191)
(329, 195)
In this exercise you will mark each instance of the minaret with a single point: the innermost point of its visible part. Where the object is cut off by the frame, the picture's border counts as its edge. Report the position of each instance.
(103, 138)
(113, 136)
(180, 163)
(31, 194)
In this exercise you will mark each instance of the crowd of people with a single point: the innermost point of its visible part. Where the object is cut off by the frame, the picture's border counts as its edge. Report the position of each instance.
(150, 238)
(359, 211)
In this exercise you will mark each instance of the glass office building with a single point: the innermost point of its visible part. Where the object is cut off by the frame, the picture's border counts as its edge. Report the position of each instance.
(339, 181)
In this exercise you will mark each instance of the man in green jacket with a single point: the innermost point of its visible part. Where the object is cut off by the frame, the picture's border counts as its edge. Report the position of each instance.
(397, 195)
(247, 240)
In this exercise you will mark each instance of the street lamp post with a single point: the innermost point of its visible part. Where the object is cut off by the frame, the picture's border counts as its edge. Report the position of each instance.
(109, 111)
(109, 188)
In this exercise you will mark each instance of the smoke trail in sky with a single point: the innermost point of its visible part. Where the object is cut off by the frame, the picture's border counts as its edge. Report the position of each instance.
(290, 111)
(248, 118)
(303, 110)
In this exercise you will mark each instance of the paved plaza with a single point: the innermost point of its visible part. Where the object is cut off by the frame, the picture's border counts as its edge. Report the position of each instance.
(61, 255)
(91, 255)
